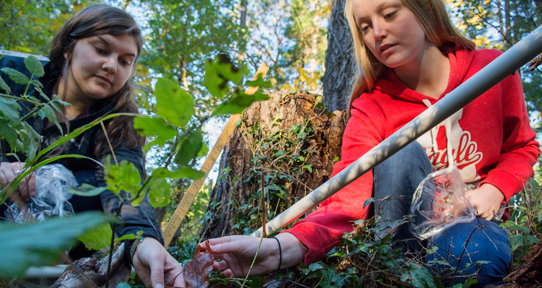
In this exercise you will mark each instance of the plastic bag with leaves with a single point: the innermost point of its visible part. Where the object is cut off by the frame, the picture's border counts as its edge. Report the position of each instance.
(439, 203)
(52, 182)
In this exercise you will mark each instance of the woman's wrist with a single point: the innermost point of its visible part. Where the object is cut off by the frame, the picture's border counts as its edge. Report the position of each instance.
(291, 250)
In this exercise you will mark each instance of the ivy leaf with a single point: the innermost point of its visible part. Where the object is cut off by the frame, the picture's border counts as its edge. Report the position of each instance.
(159, 193)
(198, 269)
(123, 284)
(34, 66)
(97, 238)
(16, 76)
(4, 86)
(86, 190)
(189, 148)
(173, 103)
(368, 201)
(308, 167)
(19, 251)
(154, 127)
(239, 102)
(420, 276)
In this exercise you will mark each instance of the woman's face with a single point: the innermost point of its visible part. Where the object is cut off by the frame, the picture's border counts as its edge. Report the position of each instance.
(390, 31)
(100, 66)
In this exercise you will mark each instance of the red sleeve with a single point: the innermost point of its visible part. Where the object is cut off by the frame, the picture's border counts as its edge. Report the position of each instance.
(321, 230)
(519, 150)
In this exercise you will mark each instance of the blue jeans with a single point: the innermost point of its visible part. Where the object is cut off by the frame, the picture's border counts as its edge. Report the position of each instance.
(397, 178)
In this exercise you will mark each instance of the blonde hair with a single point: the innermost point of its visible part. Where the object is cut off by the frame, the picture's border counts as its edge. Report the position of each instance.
(435, 23)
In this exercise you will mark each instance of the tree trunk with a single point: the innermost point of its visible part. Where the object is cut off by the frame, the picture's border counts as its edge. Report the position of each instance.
(339, 60)
(289, 144)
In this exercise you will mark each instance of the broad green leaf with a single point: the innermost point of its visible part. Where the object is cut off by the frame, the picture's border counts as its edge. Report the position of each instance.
(126, 237)
(86, 190)
(159, 194)
(184, 172)
(189, 148)
(34, 66)
(173, 103)
(98, 237)
(154, 126)
(239, 102)
(218, 73)
(123, 285)
(4, 86)
(20, 250)
(203, 151)
(10, 135)
(9, 110)
(16, 76)
(259, 82)
(124, 176)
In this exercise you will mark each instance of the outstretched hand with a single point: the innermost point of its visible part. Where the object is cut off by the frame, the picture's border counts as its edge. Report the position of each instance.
(486, 200)
(153, 263)
(237, 254)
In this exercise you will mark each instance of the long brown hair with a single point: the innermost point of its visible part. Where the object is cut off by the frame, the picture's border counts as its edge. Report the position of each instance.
(96, 20)
(434, 21)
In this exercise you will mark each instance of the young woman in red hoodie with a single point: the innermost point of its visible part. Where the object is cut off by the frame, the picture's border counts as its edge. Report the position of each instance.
(408, 57)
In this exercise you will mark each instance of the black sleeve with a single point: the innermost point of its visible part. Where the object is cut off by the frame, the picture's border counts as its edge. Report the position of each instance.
(132, 219)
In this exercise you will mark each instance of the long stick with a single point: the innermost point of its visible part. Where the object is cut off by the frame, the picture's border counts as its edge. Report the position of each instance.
(505, 65)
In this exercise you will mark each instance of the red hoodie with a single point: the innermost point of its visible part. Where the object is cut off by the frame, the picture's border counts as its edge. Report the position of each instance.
(491, 137)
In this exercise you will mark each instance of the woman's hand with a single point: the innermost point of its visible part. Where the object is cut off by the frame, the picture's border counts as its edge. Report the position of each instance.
(153, 263)
(237, 253)
(27, 186)
(486, 200)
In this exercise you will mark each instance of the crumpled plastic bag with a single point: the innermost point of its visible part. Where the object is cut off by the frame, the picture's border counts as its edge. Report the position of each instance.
(439, 203)
(52, 182)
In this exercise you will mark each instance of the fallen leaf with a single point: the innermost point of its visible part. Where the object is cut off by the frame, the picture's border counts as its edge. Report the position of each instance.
(197, 270)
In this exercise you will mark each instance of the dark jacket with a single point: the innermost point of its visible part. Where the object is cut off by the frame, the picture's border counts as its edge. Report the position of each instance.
(132, 219)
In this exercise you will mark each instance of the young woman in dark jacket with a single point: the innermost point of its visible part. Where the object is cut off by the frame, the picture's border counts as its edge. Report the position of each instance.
(92, 60)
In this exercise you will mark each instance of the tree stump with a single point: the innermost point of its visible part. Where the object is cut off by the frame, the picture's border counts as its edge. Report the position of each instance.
(289, 141)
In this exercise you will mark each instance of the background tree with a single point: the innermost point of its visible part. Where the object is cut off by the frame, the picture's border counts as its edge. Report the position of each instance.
(339, 60)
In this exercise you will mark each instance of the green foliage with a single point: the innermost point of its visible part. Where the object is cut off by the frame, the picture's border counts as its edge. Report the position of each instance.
(173, 103)
(18, 250)
(97, 238)
(18, 134)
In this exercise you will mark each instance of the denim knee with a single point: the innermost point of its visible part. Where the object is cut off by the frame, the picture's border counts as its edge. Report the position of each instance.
(397, 179)
(485, 241)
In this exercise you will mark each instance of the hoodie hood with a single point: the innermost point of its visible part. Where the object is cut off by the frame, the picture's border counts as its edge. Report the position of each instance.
(460, 62)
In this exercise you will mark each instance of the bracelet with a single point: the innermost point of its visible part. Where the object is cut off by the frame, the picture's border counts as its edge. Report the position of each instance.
(280, 253)
(134, 246)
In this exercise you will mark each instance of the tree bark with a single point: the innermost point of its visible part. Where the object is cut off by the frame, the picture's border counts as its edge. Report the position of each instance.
(254, 153)
(339, 60)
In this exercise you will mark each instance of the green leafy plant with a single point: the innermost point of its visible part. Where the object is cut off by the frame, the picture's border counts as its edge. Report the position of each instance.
(174, 126)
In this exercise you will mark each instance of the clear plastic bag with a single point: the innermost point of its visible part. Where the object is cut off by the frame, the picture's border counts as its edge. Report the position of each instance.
(52, 182)
(439, 203)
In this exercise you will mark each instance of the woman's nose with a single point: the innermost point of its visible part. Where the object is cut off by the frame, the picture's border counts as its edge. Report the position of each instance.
(379, 31)
(110, 65)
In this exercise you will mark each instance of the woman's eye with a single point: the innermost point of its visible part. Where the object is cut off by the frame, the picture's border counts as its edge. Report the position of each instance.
(126, 62)
(389, 15)
(364, 28)
(100, 50)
